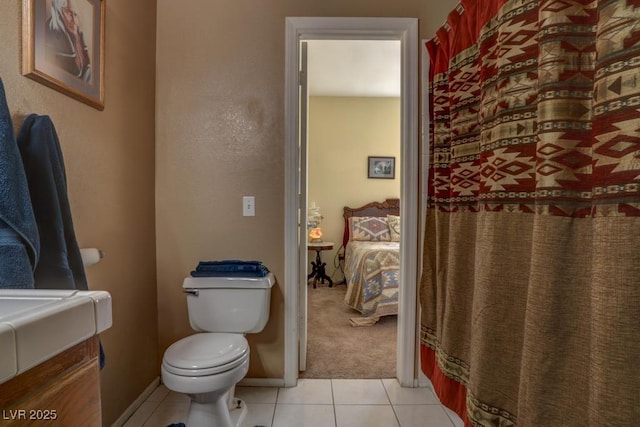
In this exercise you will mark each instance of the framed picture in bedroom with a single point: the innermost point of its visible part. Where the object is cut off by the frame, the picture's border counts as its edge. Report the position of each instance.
(63, 47)
(382, 167)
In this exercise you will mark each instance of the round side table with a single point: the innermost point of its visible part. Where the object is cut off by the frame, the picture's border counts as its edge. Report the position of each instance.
(318, 271)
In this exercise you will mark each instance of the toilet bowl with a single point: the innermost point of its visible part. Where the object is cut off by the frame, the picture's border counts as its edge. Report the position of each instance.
(207, 365)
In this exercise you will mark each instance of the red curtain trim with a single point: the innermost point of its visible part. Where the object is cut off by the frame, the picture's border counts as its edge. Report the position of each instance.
(451, 393)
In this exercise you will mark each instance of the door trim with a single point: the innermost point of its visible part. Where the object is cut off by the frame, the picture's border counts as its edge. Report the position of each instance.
(405, 30)
(303, 122)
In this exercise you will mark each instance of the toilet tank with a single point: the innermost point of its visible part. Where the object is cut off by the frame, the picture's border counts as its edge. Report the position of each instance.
(228, 304)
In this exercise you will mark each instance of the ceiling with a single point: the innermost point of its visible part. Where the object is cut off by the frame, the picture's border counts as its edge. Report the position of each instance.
(354, 68)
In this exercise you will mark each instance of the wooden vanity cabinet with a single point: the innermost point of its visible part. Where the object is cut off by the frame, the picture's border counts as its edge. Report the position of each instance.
(62, 391)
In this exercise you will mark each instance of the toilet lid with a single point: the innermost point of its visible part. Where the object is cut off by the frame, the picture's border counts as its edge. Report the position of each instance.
(206, 354)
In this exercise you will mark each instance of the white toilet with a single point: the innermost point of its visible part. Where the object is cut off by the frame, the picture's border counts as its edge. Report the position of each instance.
(207, 365)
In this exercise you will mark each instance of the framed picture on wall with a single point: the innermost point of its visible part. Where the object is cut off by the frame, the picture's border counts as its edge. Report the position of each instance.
(382, 167)
(63, 46)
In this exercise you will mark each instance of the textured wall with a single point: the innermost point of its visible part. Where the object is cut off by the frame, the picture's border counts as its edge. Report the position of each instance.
(220, 135)
(109, 159)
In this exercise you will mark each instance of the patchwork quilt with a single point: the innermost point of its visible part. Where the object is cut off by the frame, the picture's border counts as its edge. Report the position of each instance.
(372, 271)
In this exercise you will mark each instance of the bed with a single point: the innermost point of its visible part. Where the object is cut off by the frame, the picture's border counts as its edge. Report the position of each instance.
(372, 258)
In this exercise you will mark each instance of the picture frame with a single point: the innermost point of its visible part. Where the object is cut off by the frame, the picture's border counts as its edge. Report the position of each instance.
(63, 47)
(381, 167)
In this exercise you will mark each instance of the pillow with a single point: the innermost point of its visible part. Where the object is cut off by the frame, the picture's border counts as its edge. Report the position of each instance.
(394, 227)
(370, 228)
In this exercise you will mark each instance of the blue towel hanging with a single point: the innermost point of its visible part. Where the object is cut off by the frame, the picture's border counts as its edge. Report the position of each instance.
(60, 263)
(19, 240)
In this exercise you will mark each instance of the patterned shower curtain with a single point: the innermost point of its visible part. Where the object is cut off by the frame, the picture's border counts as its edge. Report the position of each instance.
(530, 289)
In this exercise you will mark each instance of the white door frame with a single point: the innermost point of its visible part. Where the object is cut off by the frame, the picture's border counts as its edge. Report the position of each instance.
(406, 31)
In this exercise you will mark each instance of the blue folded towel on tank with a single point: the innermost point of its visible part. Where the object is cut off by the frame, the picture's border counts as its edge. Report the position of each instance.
(230, 268)
(229, 273)
(232, 265)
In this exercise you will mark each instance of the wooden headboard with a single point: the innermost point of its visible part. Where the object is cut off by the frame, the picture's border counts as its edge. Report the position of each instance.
(388, 207)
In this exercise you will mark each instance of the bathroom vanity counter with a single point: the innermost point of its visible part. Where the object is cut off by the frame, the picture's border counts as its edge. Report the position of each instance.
(49, 356)
(36, 325)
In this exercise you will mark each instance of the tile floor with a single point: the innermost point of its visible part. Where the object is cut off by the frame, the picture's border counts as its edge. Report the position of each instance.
(315, 403)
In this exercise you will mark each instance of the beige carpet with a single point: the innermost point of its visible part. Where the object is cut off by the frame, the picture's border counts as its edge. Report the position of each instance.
(338, 350)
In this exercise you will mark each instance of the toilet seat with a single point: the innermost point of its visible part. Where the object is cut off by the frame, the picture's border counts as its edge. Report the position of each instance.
(206, 354)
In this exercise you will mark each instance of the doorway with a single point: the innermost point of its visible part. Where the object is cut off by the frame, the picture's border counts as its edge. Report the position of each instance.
(301, 29)
(353, 113)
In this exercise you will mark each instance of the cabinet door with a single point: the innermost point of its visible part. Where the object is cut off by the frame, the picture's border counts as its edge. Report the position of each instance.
(63, 391)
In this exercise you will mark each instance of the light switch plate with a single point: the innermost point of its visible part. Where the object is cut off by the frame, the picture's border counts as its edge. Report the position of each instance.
(248, 206)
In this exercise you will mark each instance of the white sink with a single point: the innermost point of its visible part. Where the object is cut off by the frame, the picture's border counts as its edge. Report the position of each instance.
(35, 325)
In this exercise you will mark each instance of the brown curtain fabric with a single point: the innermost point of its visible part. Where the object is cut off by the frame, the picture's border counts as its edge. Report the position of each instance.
(530, 290)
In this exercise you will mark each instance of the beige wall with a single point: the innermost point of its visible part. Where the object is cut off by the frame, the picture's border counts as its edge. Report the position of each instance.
(220, 135)
(109, 159)
(433, 13)
(343, 132)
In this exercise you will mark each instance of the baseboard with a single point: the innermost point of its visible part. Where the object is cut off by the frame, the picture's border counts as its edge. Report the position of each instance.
(262, 382)
(424, 381)
(136, 403)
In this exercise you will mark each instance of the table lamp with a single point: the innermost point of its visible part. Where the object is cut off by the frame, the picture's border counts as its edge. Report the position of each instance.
(314, 218)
